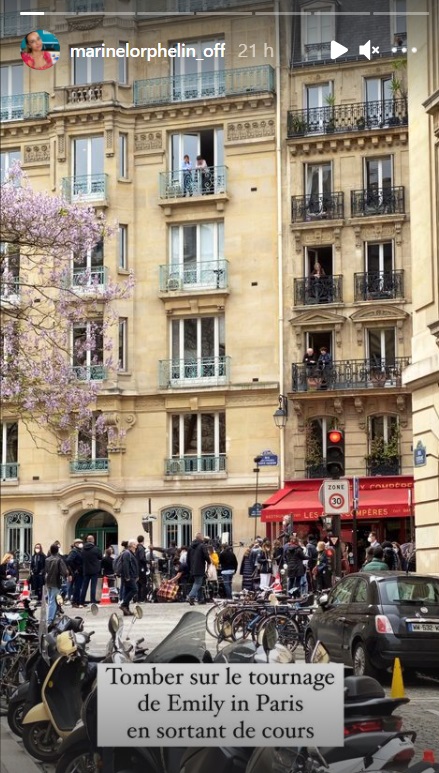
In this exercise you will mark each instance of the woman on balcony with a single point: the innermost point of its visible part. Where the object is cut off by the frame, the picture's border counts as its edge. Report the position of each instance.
(34, 55)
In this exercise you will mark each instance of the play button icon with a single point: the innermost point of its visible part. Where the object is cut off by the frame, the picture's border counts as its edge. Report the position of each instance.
(337, 49)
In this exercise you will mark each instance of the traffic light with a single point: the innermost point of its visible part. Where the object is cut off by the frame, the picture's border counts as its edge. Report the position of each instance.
(335, 462)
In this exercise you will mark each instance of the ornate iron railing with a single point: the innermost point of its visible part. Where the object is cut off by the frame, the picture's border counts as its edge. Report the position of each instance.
(14, 25)
(9, 471)
(21, 107)
(316, 470)
(207, 85)
(349, 374)
(379, 285)
(313, 289)
(180, 184)
(390, 466)
(209, 275)
(185, 465)
(203, 371)
(86, 6)
(89, 372)
(315, 51)
(357, 116)
(87, 187)
(378, 201)
(89, 277)
(90, 465)
(10, 287)
(324, 206)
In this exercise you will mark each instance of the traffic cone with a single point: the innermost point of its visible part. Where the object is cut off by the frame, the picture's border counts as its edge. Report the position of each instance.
(25, 593)
(105, 595)
(428, 756)
(397, 689)
(277, 585)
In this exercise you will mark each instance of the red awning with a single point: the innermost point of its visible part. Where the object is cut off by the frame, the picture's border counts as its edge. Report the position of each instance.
(384, 497)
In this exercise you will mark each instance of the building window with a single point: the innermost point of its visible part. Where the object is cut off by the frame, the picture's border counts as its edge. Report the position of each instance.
(9, 450)
(18, 535)
(88, 268)
(11, 85)
(92, 445)
(217, 523)
(123, 344)
(10, 272)
(123, 246)
(88, 168)
(7, 159)
(317, 102)
(316, 339)
(197, 253)
(383, 446)
(198, 348)
(200, 437)
(318, 29)
(123, 155)
(122, 64)
(380, 345)
(378, 175)
(315, 446)
(88, 69)
(88, 351)
(399, 26)
(208, 143)
(198, 76)
(177, 526)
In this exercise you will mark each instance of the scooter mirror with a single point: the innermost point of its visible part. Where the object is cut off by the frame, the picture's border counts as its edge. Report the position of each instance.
(269, 637)
(138, 612)
(94, 609)
(113, 624)
(320, 654)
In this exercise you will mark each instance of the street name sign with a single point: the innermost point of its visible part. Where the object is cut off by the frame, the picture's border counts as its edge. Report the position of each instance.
(267, 459)
(255, 510)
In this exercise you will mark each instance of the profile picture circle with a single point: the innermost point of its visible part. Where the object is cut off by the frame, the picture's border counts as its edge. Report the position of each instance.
(39, 49)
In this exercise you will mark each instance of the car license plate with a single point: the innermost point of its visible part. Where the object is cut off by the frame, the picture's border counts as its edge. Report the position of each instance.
(424, 627)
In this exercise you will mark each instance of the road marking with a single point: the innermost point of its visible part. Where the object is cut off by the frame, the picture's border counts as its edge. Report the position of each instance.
(432, 711)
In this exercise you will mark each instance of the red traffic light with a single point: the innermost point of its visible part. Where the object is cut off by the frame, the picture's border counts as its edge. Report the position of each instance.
(335, 436)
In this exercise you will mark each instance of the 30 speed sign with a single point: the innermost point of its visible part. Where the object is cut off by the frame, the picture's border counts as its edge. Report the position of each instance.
(335, 497)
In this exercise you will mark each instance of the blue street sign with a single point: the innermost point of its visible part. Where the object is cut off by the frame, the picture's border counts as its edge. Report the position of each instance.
(420, 455)
(255, 510)
(268, 459)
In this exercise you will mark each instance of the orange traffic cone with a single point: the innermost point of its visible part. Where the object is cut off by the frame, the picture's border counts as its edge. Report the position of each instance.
(428, 756)
(25, 593)
(105, 595)
(277, 585)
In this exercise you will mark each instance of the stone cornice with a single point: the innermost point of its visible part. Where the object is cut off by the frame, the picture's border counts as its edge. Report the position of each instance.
(353, 142)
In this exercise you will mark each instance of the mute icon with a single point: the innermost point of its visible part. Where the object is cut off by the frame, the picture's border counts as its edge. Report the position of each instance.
(365, 50)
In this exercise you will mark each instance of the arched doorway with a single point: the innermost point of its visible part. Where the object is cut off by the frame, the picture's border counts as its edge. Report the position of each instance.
(102, 525)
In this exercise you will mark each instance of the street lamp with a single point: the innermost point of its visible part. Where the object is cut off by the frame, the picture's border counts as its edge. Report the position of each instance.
(147, 523)
(281, 414)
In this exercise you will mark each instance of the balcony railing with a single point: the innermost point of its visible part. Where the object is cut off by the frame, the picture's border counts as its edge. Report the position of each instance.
(316, 470)
(22, 107)
(13, 25)
(180, 184)
(185, 374)
(90, 372)
(390, 466)
(90, 465)
(209, 275)
(9, 471)
(313, 289)
(315, 51)
(381, 201)
(379, 285)
(89, 278)
(10, 287)
(324, 206)
(358, 116)
(88, 187)
(185, 465)
(206, 85)
(85, 6)
(349, 374)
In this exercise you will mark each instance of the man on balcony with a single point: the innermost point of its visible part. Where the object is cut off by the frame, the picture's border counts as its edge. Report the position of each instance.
(188, 183)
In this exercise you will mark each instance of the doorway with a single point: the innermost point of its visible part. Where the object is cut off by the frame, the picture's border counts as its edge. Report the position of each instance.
(103, 527)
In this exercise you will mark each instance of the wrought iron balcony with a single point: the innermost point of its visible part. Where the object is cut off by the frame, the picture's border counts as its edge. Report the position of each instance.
(90, 372)
(209, 275)
(180, 184)
(89, 278)
(316, 470)
(349, 374)
(313, 289)
(10, 288)
(377, 201)
(87, 187)
(315, 51)
(13, 25)
(86, 6)
(185, 374)
(9, 471)
(206, 85)
(379, 285)
(390, 466)
(357, 116)
(90, 465)
(324, 206)
(186, 465)
(22, 107)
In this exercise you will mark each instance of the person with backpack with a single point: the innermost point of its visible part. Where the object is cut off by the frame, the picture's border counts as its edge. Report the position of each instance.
(130, 575)
(56, 572)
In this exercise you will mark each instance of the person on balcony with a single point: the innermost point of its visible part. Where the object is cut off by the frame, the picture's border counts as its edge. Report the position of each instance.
(317, 284)
(310, 362)
(324, 365)
(34, 55)
(201, 175)
(188, 183)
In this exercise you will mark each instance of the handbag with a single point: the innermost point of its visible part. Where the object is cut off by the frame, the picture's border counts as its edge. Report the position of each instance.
(167, 591)
(212, 574)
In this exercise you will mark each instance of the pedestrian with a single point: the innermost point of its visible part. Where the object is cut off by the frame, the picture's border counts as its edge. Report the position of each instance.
(188, 183)
(287, 529)
(130, 575)
(265, 565)
(295, 558)
(377, 564)
(311, 555)
(246, 570)
(197, 558)
(212, 572)
(56, 572)
(322, 570)
(107, 563)
(389, 556)
(229, 566)
(372, 540)
(123, 546)
(74, 564)
(276, 556)
(91, 568)
(141, 560)
(36, 577)
(7, 569)
(397, 549)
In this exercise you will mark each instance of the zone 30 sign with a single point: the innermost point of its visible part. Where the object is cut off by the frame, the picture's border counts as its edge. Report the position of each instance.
(334, 496)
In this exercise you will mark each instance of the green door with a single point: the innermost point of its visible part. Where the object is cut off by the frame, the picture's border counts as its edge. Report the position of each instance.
(102, 525)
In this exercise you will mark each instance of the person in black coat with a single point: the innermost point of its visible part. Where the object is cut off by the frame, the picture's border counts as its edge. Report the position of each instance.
(37, 564)
(74, 563)
(197, 558)
(229, 565)
(296, 568)
(130, 575)
(141, 560)
(91, 569)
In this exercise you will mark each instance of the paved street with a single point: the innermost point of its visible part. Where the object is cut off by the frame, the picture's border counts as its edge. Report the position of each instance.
(421, 714)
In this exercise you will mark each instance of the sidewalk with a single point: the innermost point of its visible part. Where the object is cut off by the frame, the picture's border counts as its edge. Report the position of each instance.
(14, 758)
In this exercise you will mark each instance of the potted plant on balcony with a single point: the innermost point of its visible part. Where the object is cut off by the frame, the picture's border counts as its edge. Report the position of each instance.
(383, 458)
(398, 89)
(297, 125)
(330, 124)
(361, 123)
(314, 461)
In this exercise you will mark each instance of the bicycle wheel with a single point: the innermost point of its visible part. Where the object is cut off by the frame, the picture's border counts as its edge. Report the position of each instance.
(241, 624)
(223, 623)
(9, 679)
(211, 619)
(287, 630)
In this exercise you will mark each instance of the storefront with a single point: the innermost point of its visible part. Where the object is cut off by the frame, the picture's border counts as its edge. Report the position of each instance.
(385, 506)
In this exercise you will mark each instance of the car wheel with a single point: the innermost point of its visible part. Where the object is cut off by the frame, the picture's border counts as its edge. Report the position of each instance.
(310, 643)
(361, 662)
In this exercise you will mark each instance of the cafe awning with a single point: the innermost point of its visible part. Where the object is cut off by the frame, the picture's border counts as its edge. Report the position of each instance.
(383, 497)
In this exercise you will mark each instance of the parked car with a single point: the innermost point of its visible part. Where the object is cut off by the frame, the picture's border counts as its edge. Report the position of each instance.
(368, 619)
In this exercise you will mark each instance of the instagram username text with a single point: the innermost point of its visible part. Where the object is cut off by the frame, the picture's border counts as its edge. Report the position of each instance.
(178, 51)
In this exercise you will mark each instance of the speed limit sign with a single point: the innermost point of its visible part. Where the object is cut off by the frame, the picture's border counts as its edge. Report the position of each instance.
(335, 497)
